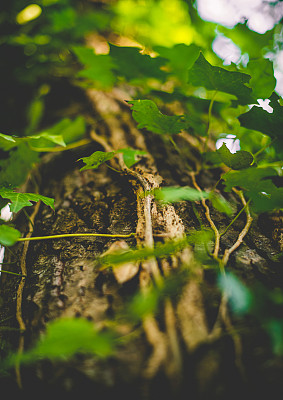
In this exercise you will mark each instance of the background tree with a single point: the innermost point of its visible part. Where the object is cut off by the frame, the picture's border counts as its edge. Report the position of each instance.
(144, 255)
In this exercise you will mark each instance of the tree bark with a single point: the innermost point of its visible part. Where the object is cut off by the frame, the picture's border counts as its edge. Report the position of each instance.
(193, 347)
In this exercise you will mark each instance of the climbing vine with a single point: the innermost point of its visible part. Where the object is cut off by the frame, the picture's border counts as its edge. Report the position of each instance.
(179, 91)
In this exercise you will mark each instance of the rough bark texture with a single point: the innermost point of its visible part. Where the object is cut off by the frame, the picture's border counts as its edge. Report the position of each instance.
(190, 349)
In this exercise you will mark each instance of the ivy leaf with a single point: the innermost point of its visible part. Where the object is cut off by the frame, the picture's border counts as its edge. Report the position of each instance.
(130, 156)
(216, 78)
(258, 186)
(148, 116)
(21, 200)
(98, 67)
(131, 64)
(263, 81)
(260, 120)
(181, 57)
(239, 160)
(174, 194)
(96, 159)
(8, 235)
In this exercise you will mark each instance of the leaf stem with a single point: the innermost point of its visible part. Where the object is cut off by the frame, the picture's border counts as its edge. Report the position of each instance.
(10, 272)
(236, 217)
(208, 217)
(264, 148)
(244, 231)
(209, 120)
(66, 235)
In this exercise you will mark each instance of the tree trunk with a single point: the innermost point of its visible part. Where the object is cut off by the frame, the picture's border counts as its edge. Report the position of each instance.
(193, 347)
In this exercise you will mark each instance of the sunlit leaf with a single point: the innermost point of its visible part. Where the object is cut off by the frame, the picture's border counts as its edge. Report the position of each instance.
(263, 81)
(161, 250)
(132, 65)
(131, 156)
(220, 203)
(219, 79)
(66, 337)
(98, 67)
(96, 159)
(173, 194)
(181, 57)
(7, 142)
(8, 235)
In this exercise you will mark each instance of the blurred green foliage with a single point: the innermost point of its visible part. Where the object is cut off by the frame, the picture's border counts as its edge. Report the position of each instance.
(163, 49)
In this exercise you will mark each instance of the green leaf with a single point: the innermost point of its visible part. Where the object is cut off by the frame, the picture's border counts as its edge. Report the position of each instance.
(66, 337)
(148, 116)
(20, 200)
(174, 194)
(7, 142)
(134, 66)
(258, 187)
(130, 156)
(219, 79)
(220, 203)
(96, 159)
(181, 58)
(161, 250)
(260, 120)
(98, 67)
(263, 81)
(15, 168)
(73, 130)
(8, 235)
(240, 297)
(239, 160)
(42, 139)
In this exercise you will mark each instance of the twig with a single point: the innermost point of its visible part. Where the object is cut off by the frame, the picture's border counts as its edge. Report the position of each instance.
(19, 315)
(66, 235)
(243, 233)
(208, 217)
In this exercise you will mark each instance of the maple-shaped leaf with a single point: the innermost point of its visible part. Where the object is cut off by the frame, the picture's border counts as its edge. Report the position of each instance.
(133, 65)
(148, 116)
(96, 159)
(263, 80)
(258, 186)
(98, 67)
(8, 235)
(240, 160)
(219, 79)
(21, 200)
(181, 58)
(260, 120)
